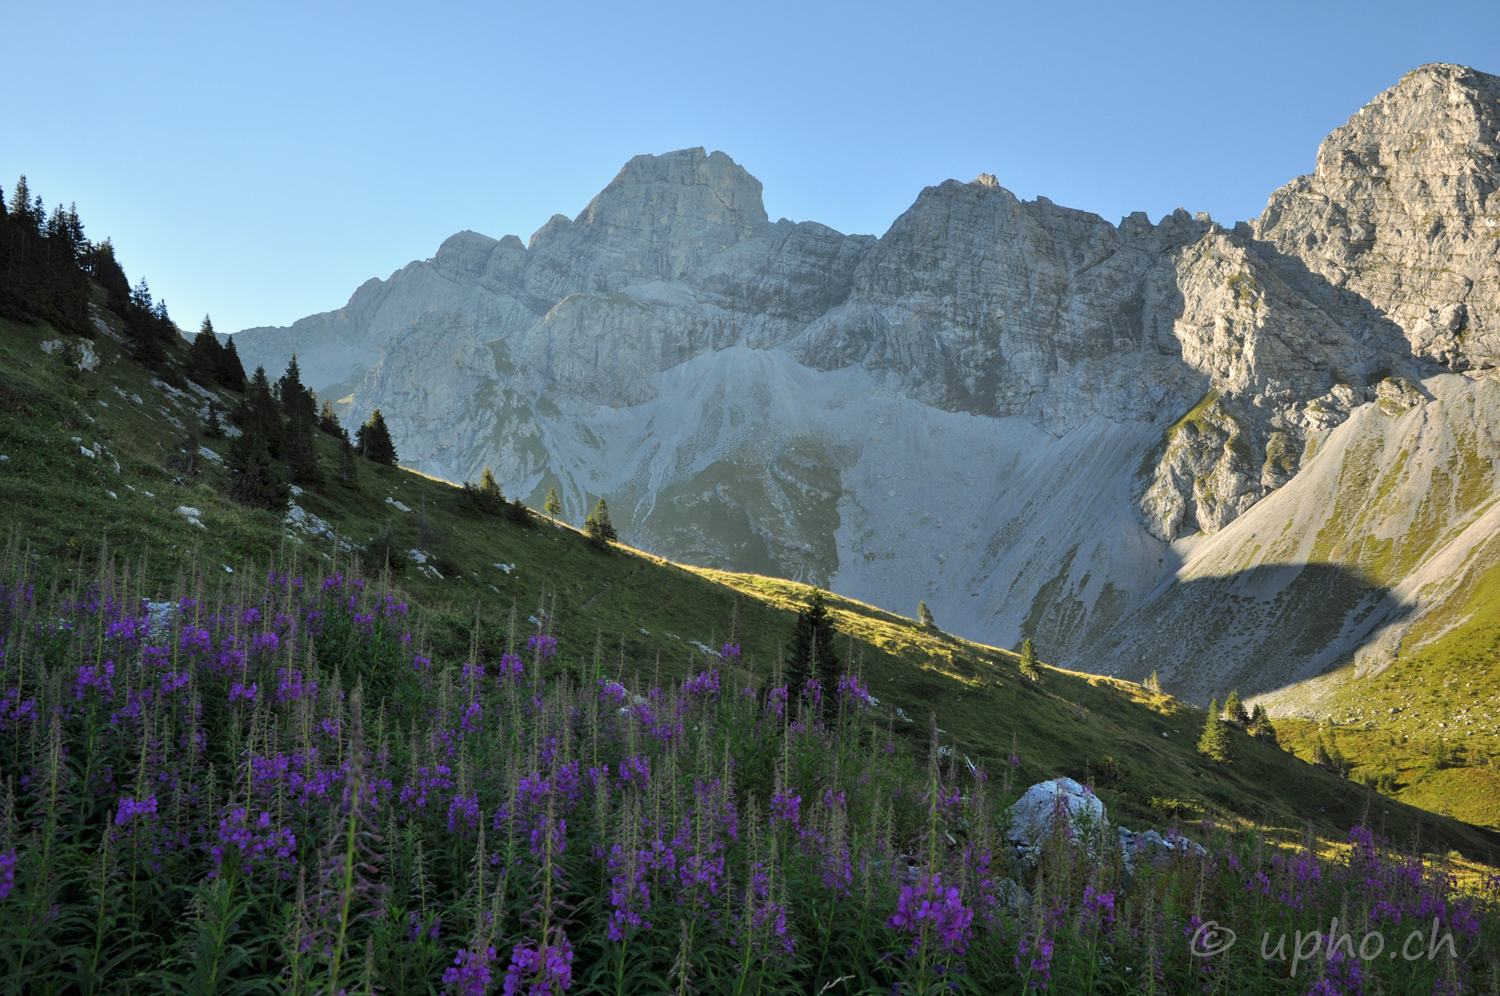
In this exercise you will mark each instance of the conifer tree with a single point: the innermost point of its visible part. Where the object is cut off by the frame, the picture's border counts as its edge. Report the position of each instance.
(259, 415)
(490, 486)
(373, 440)
(1234, 709)
(1029, 667)
(925, 617)
(204, 356)
(553, 505)
(230, 372)
(328, 420)
(300, 407)
(597, 526)
(1153, 683)
(1215, 743)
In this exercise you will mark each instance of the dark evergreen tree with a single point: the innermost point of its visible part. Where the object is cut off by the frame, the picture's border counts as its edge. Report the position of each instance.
(1030, 668)
(231, 372)
(925, 616)
(300, 408)
(255, 478)
(328, 420)
(553, 505)
(259, 414)
(373, 440)
(204, 356)
(598, 528)
(812, 653)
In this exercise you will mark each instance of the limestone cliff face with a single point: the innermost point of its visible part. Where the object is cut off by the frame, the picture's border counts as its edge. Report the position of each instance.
(1018, 411)
(1398, 230)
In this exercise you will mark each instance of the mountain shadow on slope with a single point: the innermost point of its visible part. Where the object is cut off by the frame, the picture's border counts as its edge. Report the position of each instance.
(1254, 630)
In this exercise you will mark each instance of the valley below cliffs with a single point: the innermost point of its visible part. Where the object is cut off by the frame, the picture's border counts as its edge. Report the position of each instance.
(1239, 455)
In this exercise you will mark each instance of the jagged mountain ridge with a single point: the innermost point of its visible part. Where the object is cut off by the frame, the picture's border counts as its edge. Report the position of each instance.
(1069, 400)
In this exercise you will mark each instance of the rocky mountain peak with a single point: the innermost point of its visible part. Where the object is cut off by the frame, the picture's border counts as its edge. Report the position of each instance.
(713, 190)
(1438, 119)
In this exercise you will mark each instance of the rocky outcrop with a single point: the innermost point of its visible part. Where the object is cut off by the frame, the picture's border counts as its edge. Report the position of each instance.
(1397, 232)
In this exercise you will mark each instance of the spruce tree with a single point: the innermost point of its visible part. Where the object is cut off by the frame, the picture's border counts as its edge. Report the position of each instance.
(204, 356)
(231, 372)
(213, 428)
(1153, 683)
(925, 617)
(300, 407)
(490, 486)
(597, 526)
(373, 440)
(1234, 709)
(1029, 667)
(328, 420)
(1215, 743)
(553, 505)
(259, 415)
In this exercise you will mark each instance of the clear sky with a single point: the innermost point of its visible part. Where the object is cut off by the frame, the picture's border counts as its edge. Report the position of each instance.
(259, 163)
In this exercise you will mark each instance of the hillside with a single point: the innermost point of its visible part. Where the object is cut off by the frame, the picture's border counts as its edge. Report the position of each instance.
(625, 605)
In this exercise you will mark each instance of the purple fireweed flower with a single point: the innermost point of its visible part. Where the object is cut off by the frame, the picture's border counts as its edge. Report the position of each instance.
(1098, 907)
(194, 640)
(471, 718)
(97, 676)
(928, 911)
(14, 709)
(855, 692)
(421, 664)
(787, 807)
(550, 969)
(1341, 977)
(612, 690)
(1035, 961)
(730, 653)
(635, 771)
(463, 813)
(243, 691)
(7, 872)
(291, 686)
(131, 808)
(544, 645)
(510, 667)
(702, 685)
(470, 974)
(250, 842)
(776, 700)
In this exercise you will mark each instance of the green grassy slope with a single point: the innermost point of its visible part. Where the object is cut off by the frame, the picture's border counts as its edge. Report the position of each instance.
(625, 605)
(1431, 718)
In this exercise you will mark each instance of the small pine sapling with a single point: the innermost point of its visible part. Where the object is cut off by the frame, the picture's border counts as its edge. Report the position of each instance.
(925, 617)
(553, 505)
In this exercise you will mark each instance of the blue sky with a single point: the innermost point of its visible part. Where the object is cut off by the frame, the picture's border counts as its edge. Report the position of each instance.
(260, 163)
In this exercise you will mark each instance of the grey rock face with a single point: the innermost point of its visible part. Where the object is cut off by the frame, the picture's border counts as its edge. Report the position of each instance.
(784, 398)
(1397, 233)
